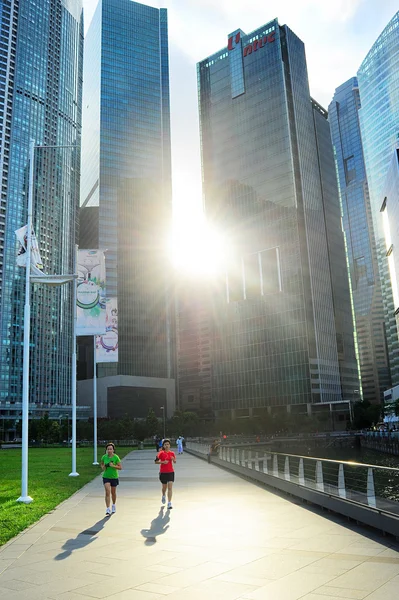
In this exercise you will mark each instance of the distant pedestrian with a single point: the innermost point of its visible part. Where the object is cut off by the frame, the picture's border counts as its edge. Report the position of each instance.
(110, 464)
(166, 459)
(179, 443)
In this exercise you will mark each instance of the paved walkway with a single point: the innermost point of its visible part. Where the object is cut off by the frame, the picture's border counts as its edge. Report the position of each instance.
(225, 539)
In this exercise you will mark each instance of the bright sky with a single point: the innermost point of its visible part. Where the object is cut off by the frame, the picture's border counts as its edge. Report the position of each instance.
(337, 36)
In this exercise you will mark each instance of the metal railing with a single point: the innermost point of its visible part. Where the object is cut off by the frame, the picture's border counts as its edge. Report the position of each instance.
(370, 485)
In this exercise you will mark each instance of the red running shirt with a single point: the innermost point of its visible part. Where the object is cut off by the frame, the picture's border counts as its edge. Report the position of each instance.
(169, 456)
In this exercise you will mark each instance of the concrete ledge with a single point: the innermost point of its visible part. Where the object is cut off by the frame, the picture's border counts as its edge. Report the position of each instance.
(373, 517)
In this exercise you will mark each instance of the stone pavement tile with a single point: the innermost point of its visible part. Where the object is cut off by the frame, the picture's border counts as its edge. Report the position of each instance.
(242, 555)
(195, 574)
(118, 584)
(19, 573)
(4, 564)
(327, 592)
(123, 567)
(389, 591)
(15, 584)
(235, 577)
(278, 565)
(363, 549)
(324, 543)
(26, 538)
(331, 565)
(274, 542)
(320, 597)
(365, 578)
(71, 567)
(12, 551)
(157, 588)
(185, 561)
(163, 569)
(135, 595)
(71, 583)
(292, 587)
(67, 596)
(212, 589)
(389, 553)
(309, 531)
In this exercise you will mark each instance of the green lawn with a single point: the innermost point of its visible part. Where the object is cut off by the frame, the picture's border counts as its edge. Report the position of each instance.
(49, 483)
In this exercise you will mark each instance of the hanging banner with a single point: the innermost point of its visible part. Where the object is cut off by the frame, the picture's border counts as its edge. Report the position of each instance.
(37, 274)
(36, 259)
(107, 344)
(90, 293)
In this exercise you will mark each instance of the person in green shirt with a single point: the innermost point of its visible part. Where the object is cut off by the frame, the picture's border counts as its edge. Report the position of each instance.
(110, 464)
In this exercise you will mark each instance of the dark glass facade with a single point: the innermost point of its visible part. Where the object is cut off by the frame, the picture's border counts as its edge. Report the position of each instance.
(379, 123)
(41, 66)
(194, 365)
(343, 114)
(126, 174)
(279, 338)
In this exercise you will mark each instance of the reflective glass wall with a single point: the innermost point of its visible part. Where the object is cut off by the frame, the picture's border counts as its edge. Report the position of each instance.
(275, 334)
(40, 100)
(343, 114)
(127, 175)
(379, 121)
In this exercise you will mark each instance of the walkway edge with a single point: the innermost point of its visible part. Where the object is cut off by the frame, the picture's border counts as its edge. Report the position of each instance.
(372, 517)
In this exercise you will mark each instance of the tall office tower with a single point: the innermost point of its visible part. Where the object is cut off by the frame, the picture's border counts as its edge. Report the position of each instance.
(41, 65)
(126, 197)
(379, 124)
(283, 336)
(390, 215)
(343, 115)
(194, 323)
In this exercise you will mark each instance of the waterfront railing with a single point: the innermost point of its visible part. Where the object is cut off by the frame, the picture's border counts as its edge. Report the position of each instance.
(371, 486)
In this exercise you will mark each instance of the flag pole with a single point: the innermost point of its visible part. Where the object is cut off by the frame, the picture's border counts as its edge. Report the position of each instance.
(74, 473)
(95, 401)
(24, 497)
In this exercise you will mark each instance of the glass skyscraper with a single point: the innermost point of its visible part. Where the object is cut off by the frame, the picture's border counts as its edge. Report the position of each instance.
(390, 215)
(41, 67)
(379, 122)
(283, 333)
(343, 114)
(126, 192)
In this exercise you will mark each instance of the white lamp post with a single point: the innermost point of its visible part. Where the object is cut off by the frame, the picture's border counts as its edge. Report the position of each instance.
(24, 497)
(164, 422)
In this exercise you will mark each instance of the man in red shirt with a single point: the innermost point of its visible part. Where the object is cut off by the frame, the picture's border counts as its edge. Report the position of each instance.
(166, 458)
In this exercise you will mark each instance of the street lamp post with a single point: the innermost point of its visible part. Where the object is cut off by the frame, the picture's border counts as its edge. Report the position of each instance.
(24, 497)
(351, 405)
(164, 421)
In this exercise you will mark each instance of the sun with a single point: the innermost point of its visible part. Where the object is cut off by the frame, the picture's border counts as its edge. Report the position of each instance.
(197, 248)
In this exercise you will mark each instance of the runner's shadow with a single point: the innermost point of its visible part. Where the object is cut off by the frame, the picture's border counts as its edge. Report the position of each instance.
(84, 538)
(158, 526)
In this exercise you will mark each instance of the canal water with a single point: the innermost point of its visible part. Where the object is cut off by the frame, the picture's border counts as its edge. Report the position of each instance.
(386, 482)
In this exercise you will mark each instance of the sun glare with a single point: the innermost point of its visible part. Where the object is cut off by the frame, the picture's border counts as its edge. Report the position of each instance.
(198, 249)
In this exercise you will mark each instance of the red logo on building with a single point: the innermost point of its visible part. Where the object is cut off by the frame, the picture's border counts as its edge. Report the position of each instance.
(237, 38)
(267, 39)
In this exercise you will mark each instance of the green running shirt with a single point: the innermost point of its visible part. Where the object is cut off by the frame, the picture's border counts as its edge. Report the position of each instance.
(110, 472)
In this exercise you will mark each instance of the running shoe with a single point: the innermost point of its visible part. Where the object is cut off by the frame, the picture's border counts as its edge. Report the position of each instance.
(170, 505)
(113, 510)
(163, 499)
(107, 512)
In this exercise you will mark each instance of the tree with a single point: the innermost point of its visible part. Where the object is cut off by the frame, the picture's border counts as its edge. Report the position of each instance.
(44, 428)
(139, 430)
(365, 414)
(151, 423)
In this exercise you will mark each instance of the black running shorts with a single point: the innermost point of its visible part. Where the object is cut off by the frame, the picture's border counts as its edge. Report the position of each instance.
(166, 477)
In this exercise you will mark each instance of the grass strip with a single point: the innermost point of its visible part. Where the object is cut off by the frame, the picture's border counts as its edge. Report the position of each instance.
(49, 483)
